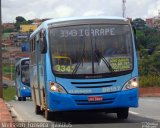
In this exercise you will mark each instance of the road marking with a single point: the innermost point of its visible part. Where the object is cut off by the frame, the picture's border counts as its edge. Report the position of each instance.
(134, 113)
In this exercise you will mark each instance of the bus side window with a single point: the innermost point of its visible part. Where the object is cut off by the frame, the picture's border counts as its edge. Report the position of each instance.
(43, 43)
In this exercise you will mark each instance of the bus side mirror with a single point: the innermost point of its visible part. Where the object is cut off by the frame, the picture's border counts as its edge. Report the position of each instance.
(43, 45)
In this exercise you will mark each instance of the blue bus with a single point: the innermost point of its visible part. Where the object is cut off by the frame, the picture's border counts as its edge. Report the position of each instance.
(83, 64)
(22, 79)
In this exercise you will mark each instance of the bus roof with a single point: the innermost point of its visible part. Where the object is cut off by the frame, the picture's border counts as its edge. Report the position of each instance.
(83, 18)
(57, 20)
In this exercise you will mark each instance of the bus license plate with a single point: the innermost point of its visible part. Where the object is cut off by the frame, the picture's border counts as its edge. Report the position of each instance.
(95, 98)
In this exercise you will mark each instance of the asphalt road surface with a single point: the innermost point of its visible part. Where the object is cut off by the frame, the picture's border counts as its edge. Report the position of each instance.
(146, 116)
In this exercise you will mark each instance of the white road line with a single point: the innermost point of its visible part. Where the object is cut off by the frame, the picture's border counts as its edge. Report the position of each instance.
(134, 113)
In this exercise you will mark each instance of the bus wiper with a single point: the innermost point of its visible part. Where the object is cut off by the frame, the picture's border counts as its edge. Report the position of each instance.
(81, 60)
(99, 55)
(78, 64)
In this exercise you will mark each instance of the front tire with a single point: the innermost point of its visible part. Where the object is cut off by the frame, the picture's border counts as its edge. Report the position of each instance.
(23, 98)
(19, 98)
(48, 115)
(123, 113)
(38, 110)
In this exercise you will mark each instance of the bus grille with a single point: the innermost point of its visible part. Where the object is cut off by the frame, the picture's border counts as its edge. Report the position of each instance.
(86, 102)
(99, 84)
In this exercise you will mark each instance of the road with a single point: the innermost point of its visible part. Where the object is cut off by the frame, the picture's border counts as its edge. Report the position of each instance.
(147, 113)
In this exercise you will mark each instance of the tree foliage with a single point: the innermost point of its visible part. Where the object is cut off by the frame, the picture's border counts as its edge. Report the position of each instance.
(7, 30)
(139, 23)
(20, 21)
(149, 51)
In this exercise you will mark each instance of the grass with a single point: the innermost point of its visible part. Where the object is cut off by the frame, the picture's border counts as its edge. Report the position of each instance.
(9, 93)
(7, 69)
(149, 81)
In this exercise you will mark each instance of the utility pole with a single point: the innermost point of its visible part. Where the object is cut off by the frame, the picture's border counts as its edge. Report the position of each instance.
(124, 8)
(1, 88)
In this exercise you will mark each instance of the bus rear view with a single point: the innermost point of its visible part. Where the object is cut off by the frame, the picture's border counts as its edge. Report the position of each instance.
(92, 66)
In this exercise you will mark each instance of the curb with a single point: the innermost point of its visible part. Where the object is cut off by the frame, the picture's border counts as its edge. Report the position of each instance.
(14, 113)
(5, 115)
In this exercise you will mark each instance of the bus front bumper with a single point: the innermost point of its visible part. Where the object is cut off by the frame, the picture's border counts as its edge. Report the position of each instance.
(68, 102)
(25, 93)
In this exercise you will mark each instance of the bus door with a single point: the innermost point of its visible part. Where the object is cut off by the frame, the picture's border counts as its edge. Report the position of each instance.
(40, 71)
(36, 76)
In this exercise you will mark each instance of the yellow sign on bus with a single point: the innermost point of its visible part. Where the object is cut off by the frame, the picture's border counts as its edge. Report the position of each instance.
(120, 64)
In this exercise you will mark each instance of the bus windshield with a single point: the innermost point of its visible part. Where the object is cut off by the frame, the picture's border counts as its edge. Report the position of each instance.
(25, 72)
(91, 49)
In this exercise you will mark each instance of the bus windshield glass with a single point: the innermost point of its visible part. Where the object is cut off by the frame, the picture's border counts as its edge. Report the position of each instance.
(91, 49)
(25, 72)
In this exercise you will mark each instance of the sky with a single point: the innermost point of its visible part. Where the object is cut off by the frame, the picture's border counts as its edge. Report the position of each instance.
(31, 9)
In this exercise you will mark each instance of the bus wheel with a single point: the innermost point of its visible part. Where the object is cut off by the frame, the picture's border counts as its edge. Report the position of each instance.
(19, 98)
(38, 110)
(23, 98)
(48, 114)
(123, 113)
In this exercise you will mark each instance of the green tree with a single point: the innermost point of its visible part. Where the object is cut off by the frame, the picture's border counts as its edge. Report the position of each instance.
(20, 19)
(139, 23)
(8, 30)
(149, 51)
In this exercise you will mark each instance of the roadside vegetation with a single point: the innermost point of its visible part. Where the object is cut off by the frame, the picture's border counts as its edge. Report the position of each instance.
(8, 71)
(9, 93)
(150, 81)
(148, 46)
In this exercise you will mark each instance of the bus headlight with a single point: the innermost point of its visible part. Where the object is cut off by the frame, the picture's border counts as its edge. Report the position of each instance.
(133, 83)
(56, 88)
(24, 88)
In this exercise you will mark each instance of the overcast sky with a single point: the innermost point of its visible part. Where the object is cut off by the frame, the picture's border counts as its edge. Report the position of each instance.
(31, 9)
